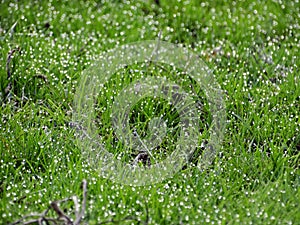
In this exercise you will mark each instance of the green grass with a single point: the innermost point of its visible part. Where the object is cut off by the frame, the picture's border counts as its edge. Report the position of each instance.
(253, 48)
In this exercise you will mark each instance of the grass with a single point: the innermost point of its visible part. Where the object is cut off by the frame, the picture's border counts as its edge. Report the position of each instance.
(253, 48)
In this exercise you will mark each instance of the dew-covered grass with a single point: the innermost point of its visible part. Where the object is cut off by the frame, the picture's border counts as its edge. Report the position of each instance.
(253, 48)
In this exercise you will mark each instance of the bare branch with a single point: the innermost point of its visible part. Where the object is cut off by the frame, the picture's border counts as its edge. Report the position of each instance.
(8, 60)
(84, 190)
(76, 206)
(41, 218)
(60, 213)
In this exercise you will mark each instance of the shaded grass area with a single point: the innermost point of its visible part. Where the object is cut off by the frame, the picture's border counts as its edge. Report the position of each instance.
(252, 47)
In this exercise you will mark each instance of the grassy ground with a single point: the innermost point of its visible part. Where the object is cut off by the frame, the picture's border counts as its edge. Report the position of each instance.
(253, 48)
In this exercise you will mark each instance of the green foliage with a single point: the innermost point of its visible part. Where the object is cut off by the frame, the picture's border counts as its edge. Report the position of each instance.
(253, 48)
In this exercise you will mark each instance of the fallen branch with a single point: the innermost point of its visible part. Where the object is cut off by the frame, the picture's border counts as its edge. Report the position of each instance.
(41, 218)
(64, 219)
(8, 60)
(81, 214)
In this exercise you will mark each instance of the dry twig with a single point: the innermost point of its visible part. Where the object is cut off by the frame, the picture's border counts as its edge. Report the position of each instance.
(8, 60)
(64, 219)
(40, 218)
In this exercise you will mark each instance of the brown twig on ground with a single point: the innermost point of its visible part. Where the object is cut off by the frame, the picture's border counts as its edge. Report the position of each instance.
(142, 157)
(60, 213)
(83, 206)
(64, 219)
(42, 76)
(8, 60)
